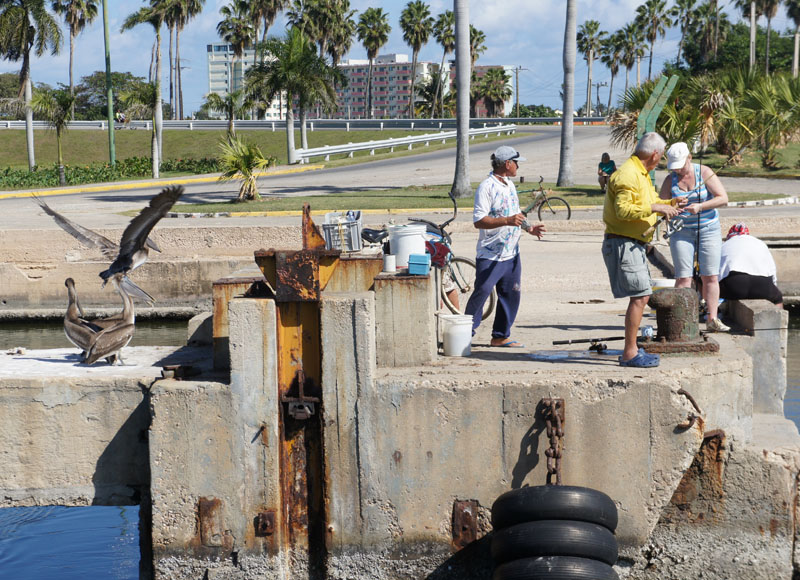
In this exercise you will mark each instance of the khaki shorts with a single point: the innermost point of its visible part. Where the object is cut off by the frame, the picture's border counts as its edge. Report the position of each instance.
(626, 263)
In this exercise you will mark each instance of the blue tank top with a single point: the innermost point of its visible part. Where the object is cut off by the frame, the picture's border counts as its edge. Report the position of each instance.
(697, 195)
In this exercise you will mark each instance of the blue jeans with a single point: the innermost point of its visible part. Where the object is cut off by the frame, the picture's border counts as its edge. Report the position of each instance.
(505, 276)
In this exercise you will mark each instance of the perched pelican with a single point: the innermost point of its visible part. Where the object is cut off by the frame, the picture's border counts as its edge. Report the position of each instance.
(133, 245)
(78, 331)
(111, 340)
(92, 239)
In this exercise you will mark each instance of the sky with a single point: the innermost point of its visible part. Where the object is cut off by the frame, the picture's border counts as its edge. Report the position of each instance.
(519, 33)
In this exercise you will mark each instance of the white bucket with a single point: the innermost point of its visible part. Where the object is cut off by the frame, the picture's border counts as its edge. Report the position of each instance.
(405, 240)
(661, 283)
(457, 334)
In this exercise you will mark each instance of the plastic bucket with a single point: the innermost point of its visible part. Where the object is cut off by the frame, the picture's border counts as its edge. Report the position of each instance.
(457, 334)
(405, 240)
(661, 283)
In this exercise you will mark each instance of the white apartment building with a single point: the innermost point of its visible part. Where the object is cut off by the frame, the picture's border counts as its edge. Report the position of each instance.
(391, 86)
(226, 74)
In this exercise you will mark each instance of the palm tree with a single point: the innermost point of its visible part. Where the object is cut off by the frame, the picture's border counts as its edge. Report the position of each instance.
(682, 13)
(178, 13)
(590, 38)
(236, 28)
(495, 90)
(631, 48)
(144, 101)
(703, 27)
(55, 106)
(232, 105)
(793, 11)
(770, 9)
(373, 31)
(342, 32)
(611, 56)
(477, 45)
(240, 160)
(77, 14)
(461, 184)
(263, 13)
(417, 25)
(154, 16)
(445, 34)
(567, 143)
(654, 20)
(297, 69)
(26, 25)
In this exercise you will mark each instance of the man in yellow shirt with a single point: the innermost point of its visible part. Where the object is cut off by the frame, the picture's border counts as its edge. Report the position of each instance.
(631, 207)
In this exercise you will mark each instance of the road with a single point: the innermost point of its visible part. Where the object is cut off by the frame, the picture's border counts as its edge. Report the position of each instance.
(539, 144)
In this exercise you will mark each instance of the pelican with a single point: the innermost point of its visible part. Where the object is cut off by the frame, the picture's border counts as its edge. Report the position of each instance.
(110, 341)
(92, 239)
(79, 332)
(133, 245)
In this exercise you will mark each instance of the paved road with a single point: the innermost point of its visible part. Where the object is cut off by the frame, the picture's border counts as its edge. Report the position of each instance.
(539, 144)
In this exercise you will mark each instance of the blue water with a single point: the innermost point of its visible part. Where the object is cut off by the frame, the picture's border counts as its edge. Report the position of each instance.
(76, 543)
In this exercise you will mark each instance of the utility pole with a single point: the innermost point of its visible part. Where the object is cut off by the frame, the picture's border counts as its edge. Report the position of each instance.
(516, 84)
(109, 93)
(597, 91)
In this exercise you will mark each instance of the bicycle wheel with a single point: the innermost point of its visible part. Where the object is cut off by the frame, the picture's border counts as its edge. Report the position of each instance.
(554, 208)
(459, 276)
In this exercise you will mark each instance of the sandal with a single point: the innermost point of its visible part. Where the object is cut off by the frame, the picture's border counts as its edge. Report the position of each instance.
(641, 360)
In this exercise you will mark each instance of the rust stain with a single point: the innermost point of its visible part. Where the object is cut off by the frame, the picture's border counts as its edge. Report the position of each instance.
(398, 457)
(465, 523)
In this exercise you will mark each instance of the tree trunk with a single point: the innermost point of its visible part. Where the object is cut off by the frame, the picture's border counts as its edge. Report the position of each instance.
(154, 149)
(752, 36)
(680, 47)
(796, 57)
(178, 80)
(438, 87)
(291, 153)
(627, 75)
(650, 66)
(157, 113)
(172, 65)
(766, 55)
(303, 129)
(62, 179)
(29, 122)
(461, 184)
(368, 112)
(71, 70)
(638, 70)
(610, 93)
(567, 145)
(588, 109)
(413, 96)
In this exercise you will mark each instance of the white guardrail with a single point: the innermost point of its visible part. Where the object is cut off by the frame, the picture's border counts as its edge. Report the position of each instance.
(304, 155)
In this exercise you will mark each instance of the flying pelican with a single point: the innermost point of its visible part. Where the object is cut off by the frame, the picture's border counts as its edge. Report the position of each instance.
(110, 341)
(133, 245)
(92, 239)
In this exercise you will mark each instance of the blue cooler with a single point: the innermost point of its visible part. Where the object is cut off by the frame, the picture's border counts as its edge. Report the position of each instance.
(419, 264)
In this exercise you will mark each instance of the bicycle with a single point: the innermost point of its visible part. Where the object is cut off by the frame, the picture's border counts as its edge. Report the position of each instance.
(455, 275)
(547, 207)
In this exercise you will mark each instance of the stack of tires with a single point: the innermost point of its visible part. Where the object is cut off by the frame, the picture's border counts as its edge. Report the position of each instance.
(554, 532)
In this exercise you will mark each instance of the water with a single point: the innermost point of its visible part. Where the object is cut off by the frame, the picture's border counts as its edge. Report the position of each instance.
(50, 334)
(69, 543)
(791, 404)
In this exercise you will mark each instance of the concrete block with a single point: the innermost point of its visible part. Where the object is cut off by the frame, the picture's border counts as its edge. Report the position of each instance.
(199, 330)
(222, 292)
(405, 322)
(347, 325)
(768, 325)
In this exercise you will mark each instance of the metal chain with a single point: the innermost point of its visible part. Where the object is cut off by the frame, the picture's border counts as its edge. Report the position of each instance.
(554, 419)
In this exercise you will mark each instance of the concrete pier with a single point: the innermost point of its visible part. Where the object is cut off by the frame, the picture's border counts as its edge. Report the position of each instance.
(403, 444)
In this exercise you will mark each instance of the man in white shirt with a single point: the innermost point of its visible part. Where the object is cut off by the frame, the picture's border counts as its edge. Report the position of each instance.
(498, 217)
(747, 269)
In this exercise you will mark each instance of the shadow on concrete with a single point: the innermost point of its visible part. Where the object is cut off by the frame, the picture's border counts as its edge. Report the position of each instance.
(473, 562)
(528, 457)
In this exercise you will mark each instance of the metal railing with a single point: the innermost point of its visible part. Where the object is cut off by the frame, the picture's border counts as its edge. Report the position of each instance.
(304, 155)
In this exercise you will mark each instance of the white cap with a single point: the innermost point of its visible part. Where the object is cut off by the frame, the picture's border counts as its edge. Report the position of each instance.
(677, 155)
(506, 153)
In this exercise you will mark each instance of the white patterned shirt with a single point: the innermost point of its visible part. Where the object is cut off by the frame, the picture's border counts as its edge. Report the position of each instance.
(493, 198)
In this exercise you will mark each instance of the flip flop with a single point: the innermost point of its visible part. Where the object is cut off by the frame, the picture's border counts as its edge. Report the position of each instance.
(510, 344)
(641, 360)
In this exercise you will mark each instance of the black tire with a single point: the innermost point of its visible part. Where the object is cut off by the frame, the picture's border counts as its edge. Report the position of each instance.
(554, 502)
(554, 209)
(462, 272)
(554, 568)
(555, 538)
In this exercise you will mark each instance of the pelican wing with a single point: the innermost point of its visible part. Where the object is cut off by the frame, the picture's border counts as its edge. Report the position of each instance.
(135, 235)
(84, 235)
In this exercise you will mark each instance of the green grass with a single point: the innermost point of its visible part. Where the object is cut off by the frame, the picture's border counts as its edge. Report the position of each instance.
(413, 197)
(750, 165)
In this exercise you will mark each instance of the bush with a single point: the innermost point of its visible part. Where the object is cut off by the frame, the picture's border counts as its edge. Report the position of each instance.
(130, 168)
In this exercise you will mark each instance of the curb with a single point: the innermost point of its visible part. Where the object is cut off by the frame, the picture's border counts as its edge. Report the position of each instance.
(766, 202)
(119, 186)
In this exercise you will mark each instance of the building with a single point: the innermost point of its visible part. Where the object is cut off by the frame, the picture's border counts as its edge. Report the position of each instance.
(391, 86)
(226, 74)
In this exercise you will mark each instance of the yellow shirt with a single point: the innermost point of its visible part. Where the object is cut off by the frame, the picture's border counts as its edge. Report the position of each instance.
(629, 197)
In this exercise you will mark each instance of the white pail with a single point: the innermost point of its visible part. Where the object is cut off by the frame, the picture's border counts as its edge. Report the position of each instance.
(406, 239)
(457, 334)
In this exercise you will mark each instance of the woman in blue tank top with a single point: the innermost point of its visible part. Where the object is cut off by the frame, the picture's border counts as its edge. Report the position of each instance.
(701, 231)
